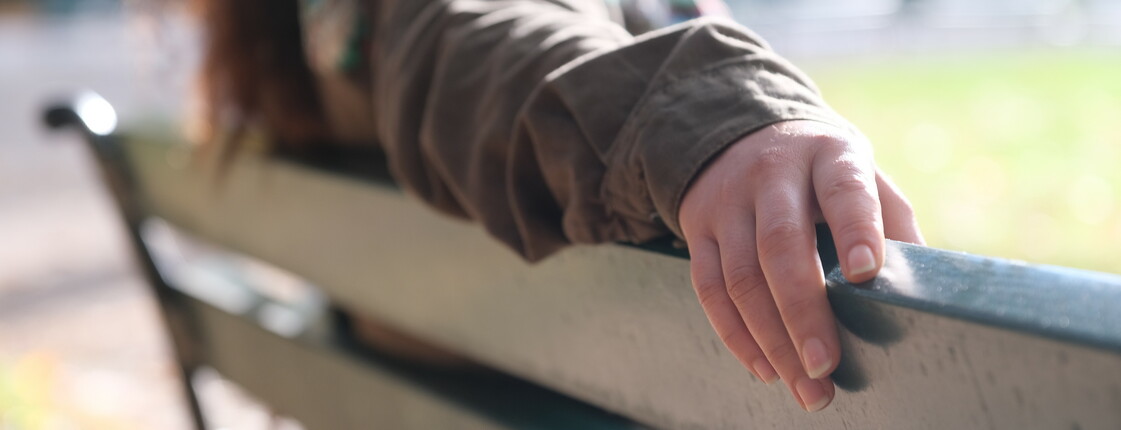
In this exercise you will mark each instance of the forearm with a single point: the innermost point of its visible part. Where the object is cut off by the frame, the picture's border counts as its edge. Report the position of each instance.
(550, 124)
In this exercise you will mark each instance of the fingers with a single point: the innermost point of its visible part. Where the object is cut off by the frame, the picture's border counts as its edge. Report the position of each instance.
(899, 217)
(788, 256)
(708, 281)
(844, 181)
(756, 268)
(748, 289)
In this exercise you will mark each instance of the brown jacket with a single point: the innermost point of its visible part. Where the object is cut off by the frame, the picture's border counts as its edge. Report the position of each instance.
(548, 123)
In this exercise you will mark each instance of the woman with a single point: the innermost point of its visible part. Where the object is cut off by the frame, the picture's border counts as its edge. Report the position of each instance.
(549, 123)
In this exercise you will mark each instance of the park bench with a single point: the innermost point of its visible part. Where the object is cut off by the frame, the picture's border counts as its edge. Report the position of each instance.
(598, 337)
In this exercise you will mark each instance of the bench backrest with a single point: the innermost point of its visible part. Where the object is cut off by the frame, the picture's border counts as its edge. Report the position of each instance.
(940, 340)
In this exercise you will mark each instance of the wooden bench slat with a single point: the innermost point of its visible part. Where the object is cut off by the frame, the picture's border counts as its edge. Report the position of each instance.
(926, 346)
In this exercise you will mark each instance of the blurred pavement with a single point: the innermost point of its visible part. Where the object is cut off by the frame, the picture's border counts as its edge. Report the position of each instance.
(81, 344)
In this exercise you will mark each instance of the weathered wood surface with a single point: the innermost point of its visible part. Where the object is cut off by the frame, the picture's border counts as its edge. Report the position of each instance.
(942, 340)
(330, 386)
(274, 335)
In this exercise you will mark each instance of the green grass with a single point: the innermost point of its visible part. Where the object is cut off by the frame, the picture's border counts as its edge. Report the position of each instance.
(1011, 155)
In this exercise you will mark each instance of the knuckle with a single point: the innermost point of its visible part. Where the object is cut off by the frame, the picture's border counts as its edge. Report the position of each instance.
(840, 142)
(745, 282)
(770, 162)
(732, 337)
(829, 142)
(708, 292)
(849, 181)
(781, 351)
(861, 226)
(795, 308)
(779, 237)
(867, 233)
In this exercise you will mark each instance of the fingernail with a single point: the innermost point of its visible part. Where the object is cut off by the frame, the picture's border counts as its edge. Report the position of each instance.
(861, 260)
(816, 358)
(765, 371)
(813, 395)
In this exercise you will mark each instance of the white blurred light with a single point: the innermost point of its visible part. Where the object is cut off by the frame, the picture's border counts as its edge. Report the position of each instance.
(97, 113)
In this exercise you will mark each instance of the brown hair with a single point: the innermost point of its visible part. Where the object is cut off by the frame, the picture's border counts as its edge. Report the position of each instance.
(254, 74)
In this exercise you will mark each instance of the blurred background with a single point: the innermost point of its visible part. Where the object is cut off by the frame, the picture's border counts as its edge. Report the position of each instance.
(1001, 119)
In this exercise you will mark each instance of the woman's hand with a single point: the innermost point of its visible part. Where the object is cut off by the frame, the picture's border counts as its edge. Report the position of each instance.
(749, 222)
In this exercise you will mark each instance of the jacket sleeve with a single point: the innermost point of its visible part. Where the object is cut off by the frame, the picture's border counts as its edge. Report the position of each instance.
(550, 124)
